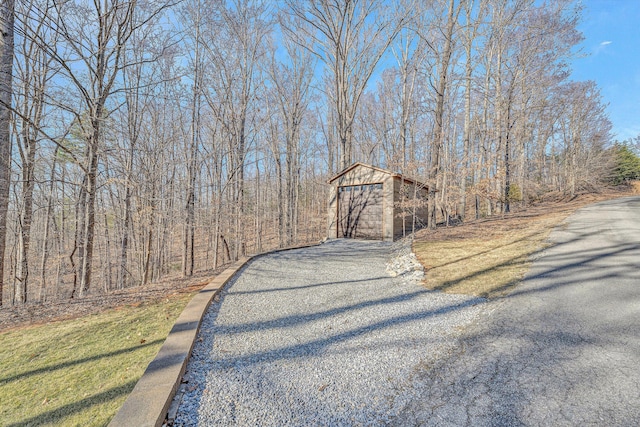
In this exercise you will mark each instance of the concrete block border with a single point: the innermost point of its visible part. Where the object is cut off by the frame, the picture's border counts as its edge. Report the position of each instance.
(148, 403)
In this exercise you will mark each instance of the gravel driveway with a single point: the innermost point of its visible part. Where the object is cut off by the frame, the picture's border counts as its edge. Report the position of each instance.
(318, 336)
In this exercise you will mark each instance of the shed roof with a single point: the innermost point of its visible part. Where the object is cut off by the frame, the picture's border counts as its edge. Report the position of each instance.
(388, 172)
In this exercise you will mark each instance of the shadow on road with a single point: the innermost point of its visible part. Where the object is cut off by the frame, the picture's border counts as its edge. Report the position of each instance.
(561, 349)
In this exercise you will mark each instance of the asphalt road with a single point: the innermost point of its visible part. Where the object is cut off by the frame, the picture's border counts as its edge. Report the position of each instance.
(562, 349)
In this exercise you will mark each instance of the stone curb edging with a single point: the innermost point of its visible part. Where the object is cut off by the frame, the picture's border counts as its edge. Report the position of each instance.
(149, 402)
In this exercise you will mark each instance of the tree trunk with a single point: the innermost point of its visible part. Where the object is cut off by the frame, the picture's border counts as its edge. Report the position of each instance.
(86, 262)
(124, 244)
(6, 70)
(45, 240)
(22, 273)
(282, 201)
(188, 254)
(436, 147)
(466, 131)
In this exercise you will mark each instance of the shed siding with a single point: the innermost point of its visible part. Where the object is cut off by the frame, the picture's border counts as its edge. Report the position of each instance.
(360, 209)
(421, 211)
(356, 176)
(391, 221)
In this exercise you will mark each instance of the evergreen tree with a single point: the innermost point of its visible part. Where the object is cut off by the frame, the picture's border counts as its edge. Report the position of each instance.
(627, 164)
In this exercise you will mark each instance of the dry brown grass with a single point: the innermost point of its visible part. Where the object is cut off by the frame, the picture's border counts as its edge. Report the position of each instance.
(489, 257)
(12, 317)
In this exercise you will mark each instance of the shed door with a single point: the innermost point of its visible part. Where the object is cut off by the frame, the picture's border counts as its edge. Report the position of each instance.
(360, 211)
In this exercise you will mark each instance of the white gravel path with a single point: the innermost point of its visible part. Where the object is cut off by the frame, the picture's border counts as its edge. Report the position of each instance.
(316, 337)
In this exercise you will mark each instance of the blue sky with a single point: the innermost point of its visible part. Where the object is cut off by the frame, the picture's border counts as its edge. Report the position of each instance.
(612, 43)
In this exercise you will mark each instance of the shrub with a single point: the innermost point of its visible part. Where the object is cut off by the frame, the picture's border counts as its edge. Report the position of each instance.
(626, 164)
(515, 193)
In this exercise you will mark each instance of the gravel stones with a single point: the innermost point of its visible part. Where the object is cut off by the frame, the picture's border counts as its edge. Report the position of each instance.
(403, 262)
(319, 336)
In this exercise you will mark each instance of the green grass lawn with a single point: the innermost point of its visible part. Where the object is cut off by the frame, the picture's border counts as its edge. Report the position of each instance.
(79, 372)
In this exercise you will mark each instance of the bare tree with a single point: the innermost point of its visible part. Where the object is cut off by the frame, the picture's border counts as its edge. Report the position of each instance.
(235, 46)
(410, 55)
(474, 14)
(443, 53)
(292, 84)
(585, 129)
(350, 37)
(148, 155)
(195, 17)
(95, 37)
(6, 66)
(34, 71)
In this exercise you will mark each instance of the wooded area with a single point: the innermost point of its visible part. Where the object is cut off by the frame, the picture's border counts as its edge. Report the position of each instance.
(146, 138)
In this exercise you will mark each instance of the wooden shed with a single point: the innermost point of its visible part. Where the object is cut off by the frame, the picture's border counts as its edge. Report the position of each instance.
(367, 202)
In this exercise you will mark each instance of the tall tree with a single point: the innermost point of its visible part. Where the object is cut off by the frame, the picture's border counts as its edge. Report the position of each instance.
(443, 53)
(195, 14)
(350, 37)
(474, 14)
(292, 92)
(33, 70)
(95, 36)
(235, 46)
(6, 70)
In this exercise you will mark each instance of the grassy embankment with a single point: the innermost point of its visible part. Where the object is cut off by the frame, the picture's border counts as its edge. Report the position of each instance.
(79, 372)
(490, 256)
